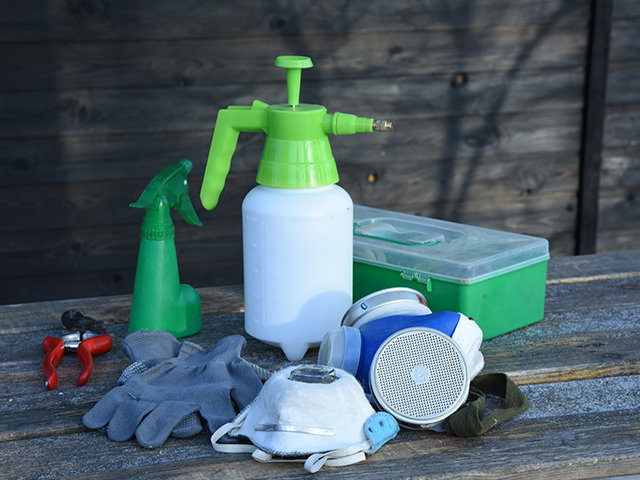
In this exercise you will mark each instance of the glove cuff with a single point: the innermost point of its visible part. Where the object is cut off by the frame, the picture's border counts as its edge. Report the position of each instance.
(150, 345)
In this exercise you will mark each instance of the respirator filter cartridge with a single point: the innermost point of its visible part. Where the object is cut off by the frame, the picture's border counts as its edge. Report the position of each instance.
(420, 376)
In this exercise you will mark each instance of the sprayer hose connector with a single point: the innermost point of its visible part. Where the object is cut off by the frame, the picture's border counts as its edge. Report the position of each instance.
(382, 126)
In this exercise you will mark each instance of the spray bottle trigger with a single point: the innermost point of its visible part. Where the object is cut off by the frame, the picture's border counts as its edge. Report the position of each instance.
(185, 208)
(170, 184)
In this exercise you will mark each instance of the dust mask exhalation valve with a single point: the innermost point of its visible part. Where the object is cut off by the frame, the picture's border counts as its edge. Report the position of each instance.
(416, 365)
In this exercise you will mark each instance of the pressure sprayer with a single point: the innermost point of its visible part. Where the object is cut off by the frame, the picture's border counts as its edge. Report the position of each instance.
(160, 302)
(297, 224)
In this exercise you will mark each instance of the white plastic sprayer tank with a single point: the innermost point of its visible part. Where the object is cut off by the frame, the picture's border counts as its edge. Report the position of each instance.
(298, 255)
(297, 223)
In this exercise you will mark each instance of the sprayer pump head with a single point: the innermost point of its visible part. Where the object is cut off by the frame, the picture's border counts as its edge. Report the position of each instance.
(297, 153)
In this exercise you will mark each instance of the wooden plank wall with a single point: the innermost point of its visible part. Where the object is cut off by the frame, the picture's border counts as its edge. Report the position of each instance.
(486, 96)
(619, 209)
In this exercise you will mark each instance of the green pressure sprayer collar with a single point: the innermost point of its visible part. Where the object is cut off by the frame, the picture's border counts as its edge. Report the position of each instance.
(297, 153)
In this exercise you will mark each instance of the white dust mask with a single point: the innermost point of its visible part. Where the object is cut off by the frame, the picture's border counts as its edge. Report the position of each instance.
(313, 414)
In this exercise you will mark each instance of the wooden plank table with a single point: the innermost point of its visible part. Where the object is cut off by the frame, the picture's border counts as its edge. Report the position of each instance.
(579, 367)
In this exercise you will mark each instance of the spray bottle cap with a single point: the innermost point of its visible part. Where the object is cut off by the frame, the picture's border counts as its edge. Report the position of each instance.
(167, 189)
(297, 153)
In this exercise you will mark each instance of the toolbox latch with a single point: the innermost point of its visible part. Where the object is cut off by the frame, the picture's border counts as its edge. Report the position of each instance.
(415, 277)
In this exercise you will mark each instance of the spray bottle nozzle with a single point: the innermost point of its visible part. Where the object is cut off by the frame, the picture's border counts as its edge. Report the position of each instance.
(170, 185)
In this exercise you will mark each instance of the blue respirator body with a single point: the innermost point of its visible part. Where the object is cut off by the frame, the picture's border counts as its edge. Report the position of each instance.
(416, 367)
(357, 348)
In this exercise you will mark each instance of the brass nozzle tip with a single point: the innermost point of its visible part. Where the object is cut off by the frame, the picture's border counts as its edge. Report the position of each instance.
(382, 126)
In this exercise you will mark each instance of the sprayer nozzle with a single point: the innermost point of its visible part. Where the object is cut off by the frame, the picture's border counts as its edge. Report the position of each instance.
(382, 126)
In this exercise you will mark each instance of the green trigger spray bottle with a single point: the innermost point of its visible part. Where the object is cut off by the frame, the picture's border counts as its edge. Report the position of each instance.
(297, 224)
(160, 302)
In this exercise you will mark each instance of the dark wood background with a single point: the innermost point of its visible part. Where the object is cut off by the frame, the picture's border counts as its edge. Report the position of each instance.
(487, 98)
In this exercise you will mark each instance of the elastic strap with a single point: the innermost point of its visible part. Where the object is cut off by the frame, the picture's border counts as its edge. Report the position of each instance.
(335, 458)
(226, 428)
(469, 420)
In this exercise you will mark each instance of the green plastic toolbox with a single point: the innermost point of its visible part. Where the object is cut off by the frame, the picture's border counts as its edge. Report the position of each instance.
(497, 278)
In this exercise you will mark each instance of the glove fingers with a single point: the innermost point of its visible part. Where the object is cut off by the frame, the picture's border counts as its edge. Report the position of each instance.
(219, 409)
(158, 425)
(127, 418)
(188, 427)
(103, 411)
(228, 349)
(190, 349)
(246, 383)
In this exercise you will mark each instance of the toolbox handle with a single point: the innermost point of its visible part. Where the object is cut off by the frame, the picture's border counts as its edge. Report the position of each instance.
(390, 233)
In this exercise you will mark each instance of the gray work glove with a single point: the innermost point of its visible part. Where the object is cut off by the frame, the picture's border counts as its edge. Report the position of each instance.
(169, 384)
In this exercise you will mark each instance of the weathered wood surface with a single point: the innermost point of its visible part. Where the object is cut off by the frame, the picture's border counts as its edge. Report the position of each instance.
(620, 184)
(120, 19)
(200, 62)
(579, 367)
(97, 96)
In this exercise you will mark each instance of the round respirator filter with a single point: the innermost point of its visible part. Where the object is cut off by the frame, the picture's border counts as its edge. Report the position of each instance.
(420, 376)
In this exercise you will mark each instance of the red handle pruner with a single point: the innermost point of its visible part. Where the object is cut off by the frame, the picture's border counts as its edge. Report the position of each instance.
(86, 337)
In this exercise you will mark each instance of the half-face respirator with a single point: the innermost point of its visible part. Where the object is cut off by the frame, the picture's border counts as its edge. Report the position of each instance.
(415, 364)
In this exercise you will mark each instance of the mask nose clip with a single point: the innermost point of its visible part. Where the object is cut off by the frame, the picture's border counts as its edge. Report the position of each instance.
(282, 427)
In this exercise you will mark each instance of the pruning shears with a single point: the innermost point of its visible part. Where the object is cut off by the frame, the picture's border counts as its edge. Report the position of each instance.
(83, 335)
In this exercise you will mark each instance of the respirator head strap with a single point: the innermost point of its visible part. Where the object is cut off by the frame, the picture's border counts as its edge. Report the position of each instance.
(226, 428)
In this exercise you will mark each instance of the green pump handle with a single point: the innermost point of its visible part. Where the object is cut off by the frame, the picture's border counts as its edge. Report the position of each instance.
(229, 124)
(170, 185)
(297, 153)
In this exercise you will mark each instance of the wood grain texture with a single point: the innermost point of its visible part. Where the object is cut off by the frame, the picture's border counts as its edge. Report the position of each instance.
(443, 140)
(391, 55)
(129, 111)
(587, 268)
(472, 179)
(620, 185)
(109, 247)
(620, 168)
(578, 367)
(105, 258)
(97, 96)
(218, 239)
(564, 446)
(625, 239)
(143, 19)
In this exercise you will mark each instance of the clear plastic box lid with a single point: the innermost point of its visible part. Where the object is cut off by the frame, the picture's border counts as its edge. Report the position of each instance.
(440, 249)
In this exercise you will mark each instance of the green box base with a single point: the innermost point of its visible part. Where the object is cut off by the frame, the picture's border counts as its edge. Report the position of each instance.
(499, 304)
